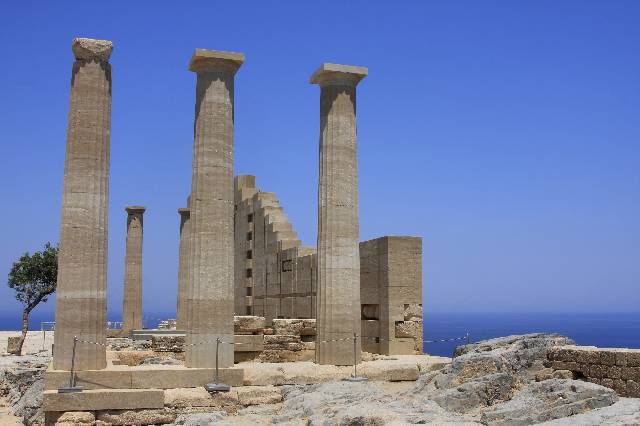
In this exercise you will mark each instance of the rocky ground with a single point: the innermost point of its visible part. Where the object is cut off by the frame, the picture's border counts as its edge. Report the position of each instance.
(501, 381)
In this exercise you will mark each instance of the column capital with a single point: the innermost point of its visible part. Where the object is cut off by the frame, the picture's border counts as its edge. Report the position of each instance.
(90, 49)
(185, 211)
(204, 60)
(336, 74)
(131, 210)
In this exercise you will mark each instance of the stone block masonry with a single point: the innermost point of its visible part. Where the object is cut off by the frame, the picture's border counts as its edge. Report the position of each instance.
(618, 369)
(276, 282)
(82, 265)
(391, 295)
(210, 297)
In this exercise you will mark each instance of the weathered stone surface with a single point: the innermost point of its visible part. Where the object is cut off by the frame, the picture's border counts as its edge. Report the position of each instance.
(291, 327)
(613, 368)
(130, 358)
(548, 400)
(167, 343)
(127, 344)
(132, 297)
(254, 395)
(90, 49)
(486, 373)
(358, 404)
(23, 388)
(248, 343)
(211, 254)
(13, 345)
(284, 348)
(182, 308)
(248, 324)
(625, 412)
(478, 393)
(136, 417)
(391, 372)
(199, 397)
(562, 374)
(411, 329)
(162, 360)
(103, 399)
(338, 268)
(279, 339)
(82, 261)
(412, 312)
(74, 417)
(201, 419)
(262, 375)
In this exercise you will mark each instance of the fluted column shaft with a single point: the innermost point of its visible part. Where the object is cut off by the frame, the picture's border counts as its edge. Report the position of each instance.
(338, 272)
(132, 300)
(82, 264)
(183, 270)
(211, 248)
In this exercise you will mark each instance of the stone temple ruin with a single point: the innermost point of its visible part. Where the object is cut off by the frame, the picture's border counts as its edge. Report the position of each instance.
(247, 288)
(275, 276)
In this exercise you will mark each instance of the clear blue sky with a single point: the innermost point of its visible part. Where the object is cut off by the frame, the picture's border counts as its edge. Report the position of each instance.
(506, 134)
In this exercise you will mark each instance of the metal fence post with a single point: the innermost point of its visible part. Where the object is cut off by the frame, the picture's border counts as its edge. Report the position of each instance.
(355, 377)
(216, 386)
(72, 377)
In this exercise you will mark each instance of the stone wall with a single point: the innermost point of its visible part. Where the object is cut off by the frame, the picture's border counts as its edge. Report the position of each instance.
(275, 276)
(391, 295)
(618, 369)
(286, 340)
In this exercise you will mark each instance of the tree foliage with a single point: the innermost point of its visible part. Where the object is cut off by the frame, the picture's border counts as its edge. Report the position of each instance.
(34, 277)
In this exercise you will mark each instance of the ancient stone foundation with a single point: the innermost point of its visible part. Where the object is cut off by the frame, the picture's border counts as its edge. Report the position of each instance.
(618, 369)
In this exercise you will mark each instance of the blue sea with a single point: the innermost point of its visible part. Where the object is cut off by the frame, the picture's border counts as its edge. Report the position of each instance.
(603, 330)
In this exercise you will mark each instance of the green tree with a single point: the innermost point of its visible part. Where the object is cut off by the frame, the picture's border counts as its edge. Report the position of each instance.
(34, 278)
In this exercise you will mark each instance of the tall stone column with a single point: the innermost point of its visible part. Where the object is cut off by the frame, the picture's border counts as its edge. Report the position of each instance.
(82, 264)
(132, 300)
(211, 249)
(338, 273)
(183, 270)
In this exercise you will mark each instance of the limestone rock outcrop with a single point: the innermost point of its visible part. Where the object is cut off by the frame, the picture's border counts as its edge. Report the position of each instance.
(548, 400)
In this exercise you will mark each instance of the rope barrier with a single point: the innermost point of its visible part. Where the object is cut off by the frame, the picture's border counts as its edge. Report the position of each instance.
(381, 339)
(345, 339)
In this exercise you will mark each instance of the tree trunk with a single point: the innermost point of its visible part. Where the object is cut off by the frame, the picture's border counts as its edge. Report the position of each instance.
(25, 328)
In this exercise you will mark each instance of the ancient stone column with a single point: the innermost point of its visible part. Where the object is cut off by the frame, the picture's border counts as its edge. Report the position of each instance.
(132, 300)
(338, 272)
(211, 249)
(183, 269)
(82, 263)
